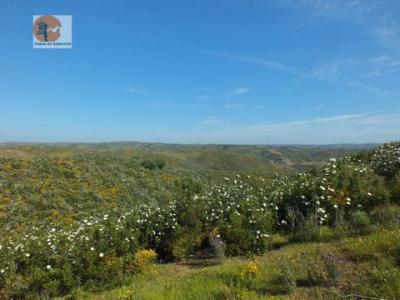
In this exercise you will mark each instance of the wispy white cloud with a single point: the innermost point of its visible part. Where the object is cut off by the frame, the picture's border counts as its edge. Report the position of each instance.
(345, 128)
(389, 34)
(381, 65)
(134, 90)
(161, 104)
(363, 127)
(241, 91)
(379, 59)
(233, 105)
(346, 71)
(367, 88)
(354, 9)
(323, 120)
(330, 70)
(324, 71)
(211, 121)
(265, 63)
(202, 97)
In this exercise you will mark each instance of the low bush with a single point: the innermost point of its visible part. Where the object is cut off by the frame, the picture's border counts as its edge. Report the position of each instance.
(361, 222)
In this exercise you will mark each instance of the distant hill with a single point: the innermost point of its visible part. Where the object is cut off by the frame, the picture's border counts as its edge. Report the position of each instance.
(256, 159)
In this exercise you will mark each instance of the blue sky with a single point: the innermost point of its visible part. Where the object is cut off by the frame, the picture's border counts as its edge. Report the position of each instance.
(204, 71)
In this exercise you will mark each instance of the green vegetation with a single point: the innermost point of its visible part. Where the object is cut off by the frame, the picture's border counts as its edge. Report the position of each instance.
(329, 270)
(94, 218)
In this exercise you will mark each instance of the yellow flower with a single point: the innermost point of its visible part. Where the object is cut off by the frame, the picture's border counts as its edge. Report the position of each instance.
(144, 257)
(251, 269)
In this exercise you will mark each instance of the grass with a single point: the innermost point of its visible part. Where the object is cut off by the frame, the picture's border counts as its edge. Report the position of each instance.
(365, 265)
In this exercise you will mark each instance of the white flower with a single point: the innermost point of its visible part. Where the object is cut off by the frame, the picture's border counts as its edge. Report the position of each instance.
(91, 248)
(101, 254)
(2, 271)
(27, 254)
(369, 194)
(48, 267)
(335, 206)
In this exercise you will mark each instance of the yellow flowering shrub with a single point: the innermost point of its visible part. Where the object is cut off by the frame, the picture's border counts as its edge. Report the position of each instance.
(125, 293)
(144, 258)
(250, 269)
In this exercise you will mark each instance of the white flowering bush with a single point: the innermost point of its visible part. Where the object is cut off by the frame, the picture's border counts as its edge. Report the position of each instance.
(98, 249)
(386, 159)
(241, 211)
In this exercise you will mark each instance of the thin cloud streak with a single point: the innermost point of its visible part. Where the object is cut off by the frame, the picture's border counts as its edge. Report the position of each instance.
(325, 120)
(241, 91)
(347, 128)
(134, 90)
(268, 64)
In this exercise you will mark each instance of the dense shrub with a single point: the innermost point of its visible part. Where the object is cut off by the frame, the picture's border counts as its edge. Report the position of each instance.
(385, 160)
(153, 164)
(361, 221)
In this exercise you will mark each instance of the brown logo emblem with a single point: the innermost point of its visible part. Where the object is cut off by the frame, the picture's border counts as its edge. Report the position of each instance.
(47, 29)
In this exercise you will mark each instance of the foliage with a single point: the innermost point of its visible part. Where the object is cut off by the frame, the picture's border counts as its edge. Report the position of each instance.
(153, 164)
(84, 218)
(361, 221)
